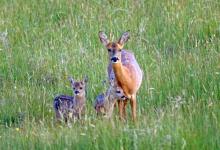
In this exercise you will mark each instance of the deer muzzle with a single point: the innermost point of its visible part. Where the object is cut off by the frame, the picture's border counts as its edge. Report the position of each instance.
(114, 59)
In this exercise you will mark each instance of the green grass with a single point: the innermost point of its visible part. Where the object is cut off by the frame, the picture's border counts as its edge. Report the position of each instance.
(177, 44)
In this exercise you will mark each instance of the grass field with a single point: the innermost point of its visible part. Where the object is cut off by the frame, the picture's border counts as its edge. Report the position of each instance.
(176, 42)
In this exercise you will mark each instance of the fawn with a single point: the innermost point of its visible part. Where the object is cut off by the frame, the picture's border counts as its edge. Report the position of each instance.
(105, 102)
(71, 107)
(126, 69)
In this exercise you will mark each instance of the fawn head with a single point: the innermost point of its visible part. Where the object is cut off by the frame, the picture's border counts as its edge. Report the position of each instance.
(79, 87)
(114, 48)
(116, 90)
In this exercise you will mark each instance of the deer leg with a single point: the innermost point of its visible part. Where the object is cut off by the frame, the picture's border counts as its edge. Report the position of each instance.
(110, 109)
(133, 107)
(113, 104)
(79, 115)
(120, 108)
(59, 116)
(124, 108)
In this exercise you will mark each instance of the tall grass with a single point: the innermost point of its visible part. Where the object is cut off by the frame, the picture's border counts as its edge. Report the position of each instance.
(175, 42)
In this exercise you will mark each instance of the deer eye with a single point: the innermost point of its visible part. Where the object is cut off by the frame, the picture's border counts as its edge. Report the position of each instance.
(74, 88)
(109, 50)
(119, 50)
(80, 88)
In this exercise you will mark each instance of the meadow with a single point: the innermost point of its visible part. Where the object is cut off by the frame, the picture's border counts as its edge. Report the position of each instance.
(176, 42)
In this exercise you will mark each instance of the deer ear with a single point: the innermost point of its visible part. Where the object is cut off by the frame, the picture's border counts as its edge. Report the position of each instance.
(71, 80)
(124, 38)
(103, 38)
(85, 79)
(104, 82)
(112, 82)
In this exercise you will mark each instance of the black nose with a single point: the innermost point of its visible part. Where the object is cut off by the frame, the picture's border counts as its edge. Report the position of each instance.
(114, 59)
(118, 91)
(76, 92)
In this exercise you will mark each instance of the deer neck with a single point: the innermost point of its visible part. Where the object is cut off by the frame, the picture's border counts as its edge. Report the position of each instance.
(119, 72)
(79, 99)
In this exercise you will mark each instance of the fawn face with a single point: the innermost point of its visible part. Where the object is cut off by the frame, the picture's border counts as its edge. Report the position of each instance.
(79, 88)
(120, 94)
(116, 90)
(114, 48)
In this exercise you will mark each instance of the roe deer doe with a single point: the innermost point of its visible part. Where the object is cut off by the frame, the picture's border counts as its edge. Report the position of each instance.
(126, 69)
(71, 107)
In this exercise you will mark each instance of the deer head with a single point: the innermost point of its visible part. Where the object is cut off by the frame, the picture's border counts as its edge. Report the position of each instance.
(79, 88)
(114, 48)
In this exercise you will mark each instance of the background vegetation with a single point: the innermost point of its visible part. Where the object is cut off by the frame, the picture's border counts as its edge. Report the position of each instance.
(176, 42)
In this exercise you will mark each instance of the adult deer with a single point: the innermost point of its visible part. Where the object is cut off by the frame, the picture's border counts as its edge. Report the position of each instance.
(128, 73)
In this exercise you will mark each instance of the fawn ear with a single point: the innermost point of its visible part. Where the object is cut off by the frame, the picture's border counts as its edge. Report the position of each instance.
(104, 82)
(103, 38)
(85, 80)
(71, 80)
(111, 82)
(124, 38)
